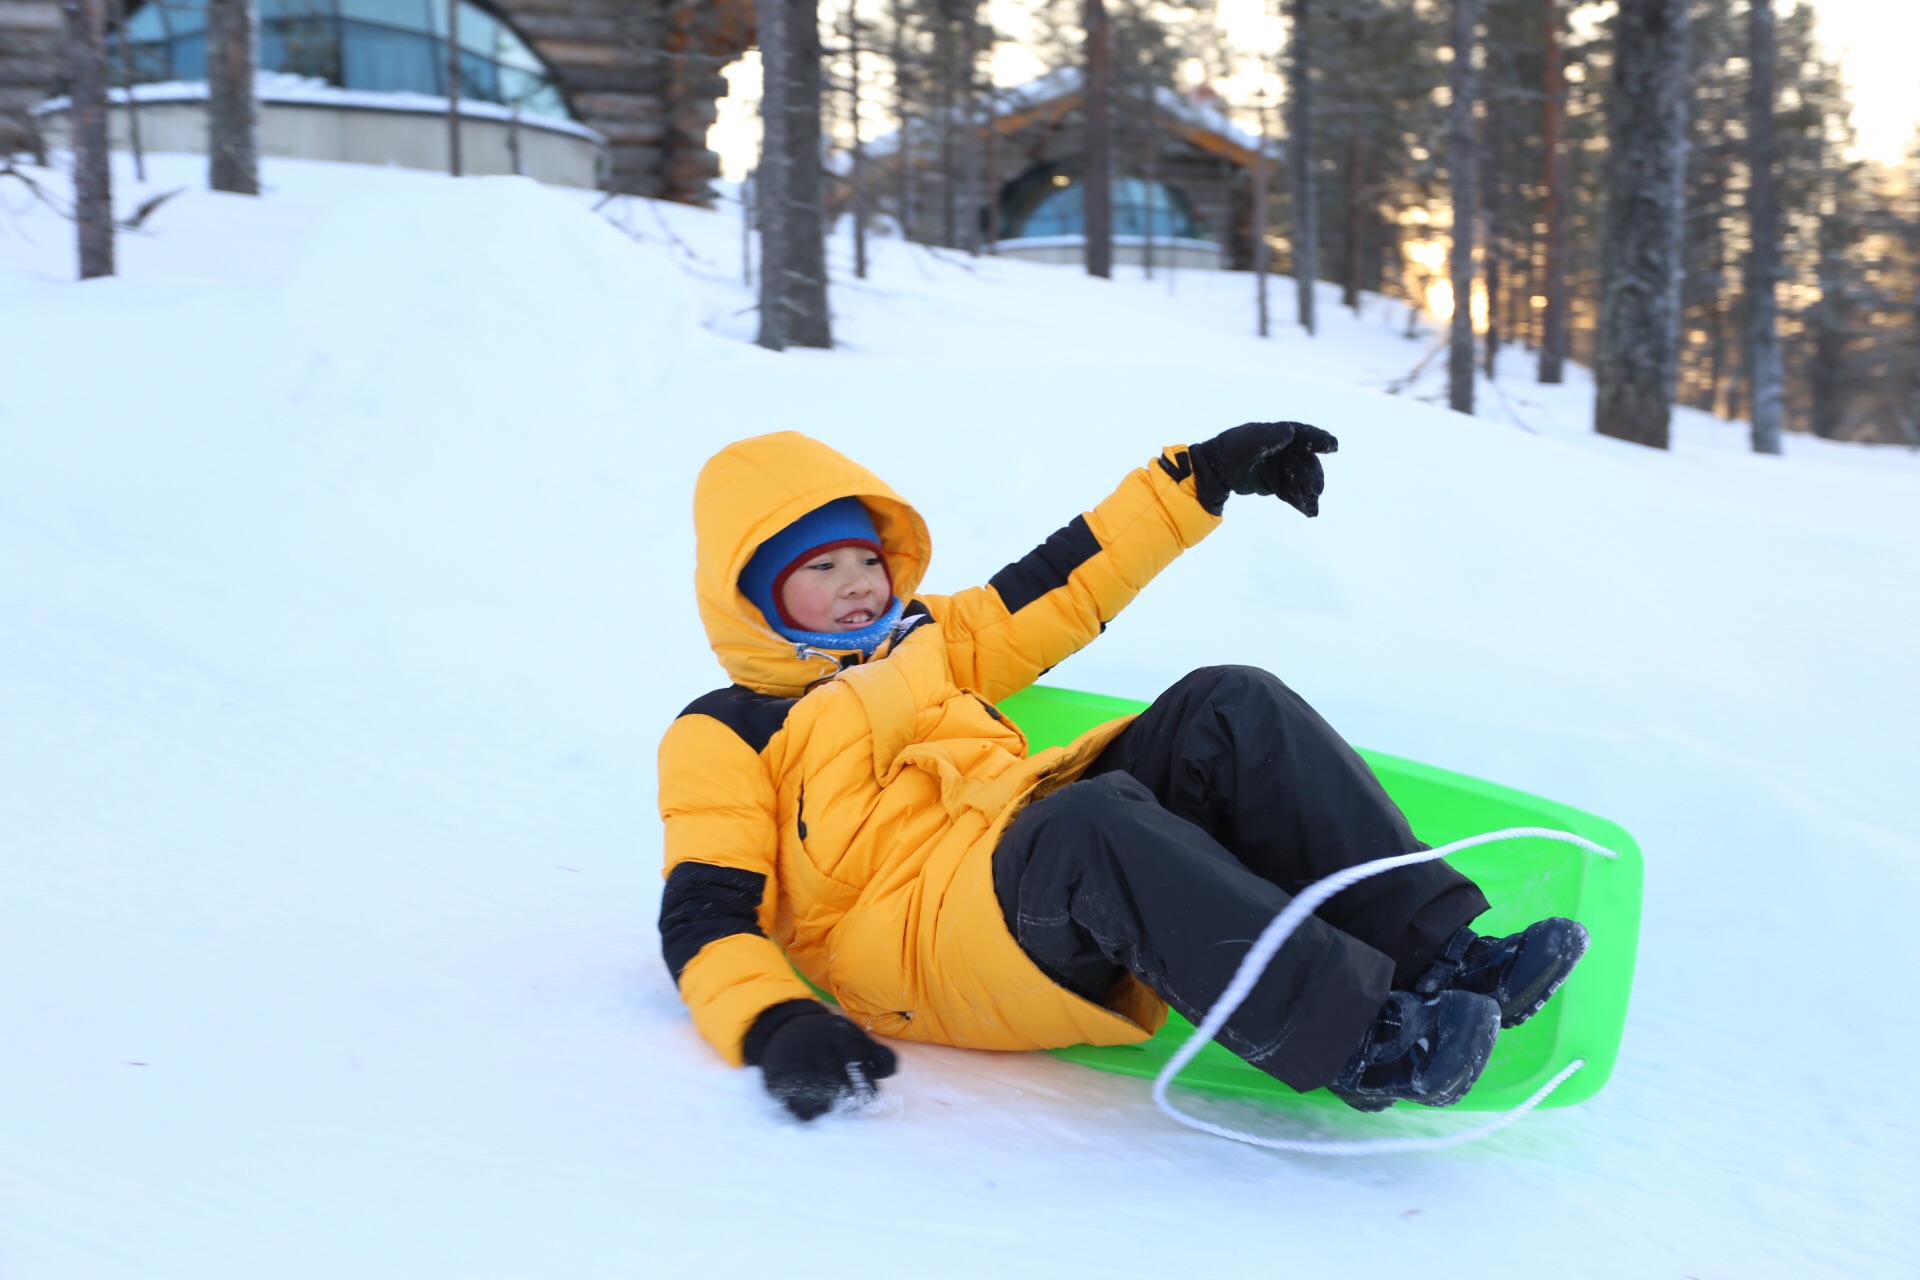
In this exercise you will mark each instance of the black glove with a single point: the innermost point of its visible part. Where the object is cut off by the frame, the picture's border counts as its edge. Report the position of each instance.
(1277, 458)
(811, 1058)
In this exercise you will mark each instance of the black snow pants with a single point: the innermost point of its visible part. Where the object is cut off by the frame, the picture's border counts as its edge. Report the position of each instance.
(1190, 833)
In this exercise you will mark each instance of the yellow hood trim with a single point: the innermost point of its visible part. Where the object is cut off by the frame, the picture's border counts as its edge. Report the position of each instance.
(748, 492)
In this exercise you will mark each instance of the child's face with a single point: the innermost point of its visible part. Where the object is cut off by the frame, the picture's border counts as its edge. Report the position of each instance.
(844, 589)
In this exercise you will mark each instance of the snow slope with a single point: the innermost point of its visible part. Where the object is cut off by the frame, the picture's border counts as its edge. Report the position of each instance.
(345, 591)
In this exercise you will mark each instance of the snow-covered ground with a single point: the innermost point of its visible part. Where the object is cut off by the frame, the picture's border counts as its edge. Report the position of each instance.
(345, 570)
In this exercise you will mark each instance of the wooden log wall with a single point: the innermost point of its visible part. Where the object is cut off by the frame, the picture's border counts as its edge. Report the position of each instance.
(646, 75)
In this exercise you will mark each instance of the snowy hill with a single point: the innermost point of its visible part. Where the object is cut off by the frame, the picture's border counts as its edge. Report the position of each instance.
(345, 589)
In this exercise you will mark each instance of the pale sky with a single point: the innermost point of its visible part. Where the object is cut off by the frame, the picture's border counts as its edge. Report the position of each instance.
(1875, 41)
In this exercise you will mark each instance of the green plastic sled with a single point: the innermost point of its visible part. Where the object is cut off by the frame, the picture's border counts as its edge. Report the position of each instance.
(1524, 879)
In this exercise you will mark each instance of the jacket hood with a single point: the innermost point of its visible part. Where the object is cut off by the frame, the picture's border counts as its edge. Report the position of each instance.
(748, 492)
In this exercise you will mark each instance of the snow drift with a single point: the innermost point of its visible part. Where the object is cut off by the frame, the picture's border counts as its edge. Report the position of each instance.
(345, 573)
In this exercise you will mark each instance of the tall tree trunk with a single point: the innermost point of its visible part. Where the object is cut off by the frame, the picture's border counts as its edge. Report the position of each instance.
(943, 63)
(1260, 224)
(1465, 195)
(1717, 338)
(1641, 242)
(858, 175)
(1763, 262)
(1829, 320)
(770, 183)
(453, 88)
(233, 162)
(993, 167)
(1494, 246)
(1306, 214)
(808, 324)
(1150, 142)
(747, 221)
(1097, 181)
(1910, 420)
(1356, 223)
(904, 117)
(970, 135)
(87, 117)
(1553, 265)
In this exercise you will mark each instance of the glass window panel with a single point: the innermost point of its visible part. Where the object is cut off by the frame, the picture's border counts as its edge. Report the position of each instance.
(546, 102)
(143, 63)
(1128, 207)
(386, 61)
(535, 94)
(410, 15)
(272, 10)
(479, 78)
(1059, 214)
(404, 14)
(145, 25)
(480, 32)
(1184, 222)
(516, 85)
(1135, 204)
(179, 17)
(190, 57)
(381, 46)
(305, 46)
(513, 52)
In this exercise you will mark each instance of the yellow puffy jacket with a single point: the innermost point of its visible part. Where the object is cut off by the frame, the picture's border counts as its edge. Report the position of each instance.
(842, 814)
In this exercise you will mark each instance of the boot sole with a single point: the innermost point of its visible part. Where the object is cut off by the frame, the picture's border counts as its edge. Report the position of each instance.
(1514, 1019)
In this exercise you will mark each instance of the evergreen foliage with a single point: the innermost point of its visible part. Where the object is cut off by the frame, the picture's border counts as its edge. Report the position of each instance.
(1849, 291)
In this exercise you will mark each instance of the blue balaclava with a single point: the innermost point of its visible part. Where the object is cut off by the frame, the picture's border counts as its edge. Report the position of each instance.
(844, 522)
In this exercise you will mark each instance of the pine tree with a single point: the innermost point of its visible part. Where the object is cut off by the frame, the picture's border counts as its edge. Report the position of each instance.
(87, 122)
(1763, 260)
(1646, 162)
(1096, 107)
(1377, 131)
(233, 162)
(1553, 259)
(808, 323)
(1300, 161)
(1461, 159)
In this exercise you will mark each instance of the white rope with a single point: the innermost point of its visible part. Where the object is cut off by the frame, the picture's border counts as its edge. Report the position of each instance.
(1269, 943)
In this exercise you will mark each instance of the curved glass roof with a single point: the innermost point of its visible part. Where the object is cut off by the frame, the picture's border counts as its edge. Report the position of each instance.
(379, 46)
(1062, 212)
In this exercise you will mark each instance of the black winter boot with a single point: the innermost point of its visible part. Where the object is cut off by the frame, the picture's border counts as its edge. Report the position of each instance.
(1426, 1051)
(1520, 971)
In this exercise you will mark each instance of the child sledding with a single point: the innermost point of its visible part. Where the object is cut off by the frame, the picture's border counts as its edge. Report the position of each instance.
(854, 803)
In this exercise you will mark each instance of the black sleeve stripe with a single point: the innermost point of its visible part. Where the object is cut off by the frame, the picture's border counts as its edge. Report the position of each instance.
(1180, 468)
(703, 904)
(1046, 566)
(756, 717)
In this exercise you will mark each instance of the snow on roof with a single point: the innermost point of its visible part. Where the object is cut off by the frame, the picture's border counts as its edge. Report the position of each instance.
(1009, 99)
(280, 87)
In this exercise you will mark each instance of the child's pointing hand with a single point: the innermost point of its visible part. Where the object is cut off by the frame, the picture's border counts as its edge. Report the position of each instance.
(1280, 459)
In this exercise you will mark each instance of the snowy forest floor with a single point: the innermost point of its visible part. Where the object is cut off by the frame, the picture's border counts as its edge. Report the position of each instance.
(345, 569)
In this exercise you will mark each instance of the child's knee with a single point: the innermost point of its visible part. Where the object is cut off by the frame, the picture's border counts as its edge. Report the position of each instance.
(1086, 815)
(1235, 685)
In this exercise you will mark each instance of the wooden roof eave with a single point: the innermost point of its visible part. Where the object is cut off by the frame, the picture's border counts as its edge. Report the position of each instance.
(1056, 109)
(1047, 113)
